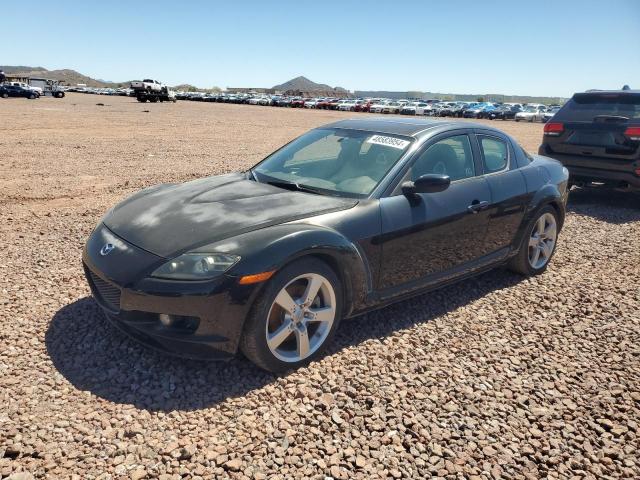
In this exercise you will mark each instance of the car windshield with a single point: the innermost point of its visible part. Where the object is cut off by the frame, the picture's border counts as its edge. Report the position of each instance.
(333, 161)
(529, 109)
(587, 106)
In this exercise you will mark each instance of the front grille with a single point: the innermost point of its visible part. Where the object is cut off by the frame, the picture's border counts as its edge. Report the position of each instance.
(106, 293)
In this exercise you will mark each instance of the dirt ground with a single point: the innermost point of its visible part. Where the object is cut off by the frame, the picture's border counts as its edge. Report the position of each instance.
(494, 377)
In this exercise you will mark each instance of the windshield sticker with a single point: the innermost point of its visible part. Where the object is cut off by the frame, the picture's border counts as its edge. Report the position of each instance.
(389, 141)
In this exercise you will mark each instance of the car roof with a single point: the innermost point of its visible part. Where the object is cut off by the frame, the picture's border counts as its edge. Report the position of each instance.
(623, 92)
(411, 127)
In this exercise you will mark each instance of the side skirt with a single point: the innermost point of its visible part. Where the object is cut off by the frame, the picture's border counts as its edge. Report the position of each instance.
(381, 299)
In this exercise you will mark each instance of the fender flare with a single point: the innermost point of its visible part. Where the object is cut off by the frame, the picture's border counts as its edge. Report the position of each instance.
(547, 195)
(271, 248)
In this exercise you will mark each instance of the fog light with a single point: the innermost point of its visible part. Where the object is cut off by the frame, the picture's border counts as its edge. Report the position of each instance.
(179, 323)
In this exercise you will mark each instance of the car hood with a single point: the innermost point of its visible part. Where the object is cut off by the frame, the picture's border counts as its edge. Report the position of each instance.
(170, 219)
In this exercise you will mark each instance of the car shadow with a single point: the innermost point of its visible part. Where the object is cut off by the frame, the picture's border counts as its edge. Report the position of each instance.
(95, 356)
(611, 206)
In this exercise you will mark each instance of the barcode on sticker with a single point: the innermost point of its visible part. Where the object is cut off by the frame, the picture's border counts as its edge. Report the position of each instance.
(389, 141)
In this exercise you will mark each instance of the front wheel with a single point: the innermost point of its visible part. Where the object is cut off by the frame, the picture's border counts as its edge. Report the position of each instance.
(5, 95)
(539, 243)
(295, 317)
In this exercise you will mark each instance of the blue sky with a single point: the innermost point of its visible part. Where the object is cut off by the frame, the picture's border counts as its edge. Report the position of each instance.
(532, 47)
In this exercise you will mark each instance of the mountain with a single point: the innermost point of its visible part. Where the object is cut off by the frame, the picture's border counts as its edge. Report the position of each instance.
(303, 86)
(67, 76)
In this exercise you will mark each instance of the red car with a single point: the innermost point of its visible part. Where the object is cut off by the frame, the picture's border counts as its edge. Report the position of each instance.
(364, 106)
(297, 103)
(325, 103)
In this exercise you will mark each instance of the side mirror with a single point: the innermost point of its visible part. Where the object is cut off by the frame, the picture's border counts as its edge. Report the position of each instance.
(430, 183)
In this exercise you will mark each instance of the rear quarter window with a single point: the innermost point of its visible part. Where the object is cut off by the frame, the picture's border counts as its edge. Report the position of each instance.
(495, 154)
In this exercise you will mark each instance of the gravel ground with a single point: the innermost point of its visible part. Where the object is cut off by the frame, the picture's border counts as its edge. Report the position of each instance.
(497, 376)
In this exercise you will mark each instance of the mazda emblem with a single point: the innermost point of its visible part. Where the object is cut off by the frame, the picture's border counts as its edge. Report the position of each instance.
(106, 249)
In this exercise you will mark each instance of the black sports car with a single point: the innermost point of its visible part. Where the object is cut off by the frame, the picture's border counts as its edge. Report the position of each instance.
(344, 219)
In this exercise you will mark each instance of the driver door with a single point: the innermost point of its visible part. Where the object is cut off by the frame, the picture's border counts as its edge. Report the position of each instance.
(435, 235)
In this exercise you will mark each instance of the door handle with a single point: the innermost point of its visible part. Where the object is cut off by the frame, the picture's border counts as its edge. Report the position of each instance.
(477, 205)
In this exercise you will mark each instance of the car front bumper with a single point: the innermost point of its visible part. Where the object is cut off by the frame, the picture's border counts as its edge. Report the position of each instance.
(197, 319)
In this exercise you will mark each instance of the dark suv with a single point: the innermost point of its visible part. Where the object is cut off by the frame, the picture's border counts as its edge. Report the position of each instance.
(7, 90)
(596, 135)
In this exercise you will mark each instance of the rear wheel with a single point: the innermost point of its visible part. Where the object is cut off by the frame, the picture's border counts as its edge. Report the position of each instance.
(294, 318)
(5, 95)
(539, 243)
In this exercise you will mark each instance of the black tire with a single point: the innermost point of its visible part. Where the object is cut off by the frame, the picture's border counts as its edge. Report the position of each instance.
(5, 95)
(32, 96)
(520, 263)
(254, 343)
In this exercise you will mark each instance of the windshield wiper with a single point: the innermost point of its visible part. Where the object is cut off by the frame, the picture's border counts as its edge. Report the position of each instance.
(296, 186)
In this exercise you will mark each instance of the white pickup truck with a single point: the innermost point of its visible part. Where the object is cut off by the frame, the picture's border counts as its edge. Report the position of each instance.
(152, 90)
(147, 85)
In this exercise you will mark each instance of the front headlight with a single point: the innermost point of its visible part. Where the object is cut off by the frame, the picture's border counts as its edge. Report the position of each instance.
(196, 266)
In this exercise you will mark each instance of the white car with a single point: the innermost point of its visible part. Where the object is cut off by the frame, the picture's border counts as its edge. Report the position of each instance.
(388, 106)
(414, 108)
(262, 100)
(311, 103)
(531, 113)
(342, 102)
(350, 105)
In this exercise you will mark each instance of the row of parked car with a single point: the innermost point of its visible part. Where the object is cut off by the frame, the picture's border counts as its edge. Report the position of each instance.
(532, 112)
(123, 92)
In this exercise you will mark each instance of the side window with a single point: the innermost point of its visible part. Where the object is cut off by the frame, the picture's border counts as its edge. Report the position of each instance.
(495, 154)
(451, 156)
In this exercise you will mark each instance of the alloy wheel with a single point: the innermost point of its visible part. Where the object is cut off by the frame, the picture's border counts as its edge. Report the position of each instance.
(542, 240)
(301, 317)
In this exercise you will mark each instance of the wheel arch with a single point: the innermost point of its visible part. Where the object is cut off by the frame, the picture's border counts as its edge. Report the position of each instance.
(273, 248)
(549, 195)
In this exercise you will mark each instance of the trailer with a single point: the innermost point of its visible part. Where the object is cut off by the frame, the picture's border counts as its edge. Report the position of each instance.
(152, 91)
(153, 97)
(48, 86)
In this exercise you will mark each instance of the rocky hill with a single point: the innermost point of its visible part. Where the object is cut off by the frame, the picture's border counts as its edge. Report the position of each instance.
(67, 76)
(305, 87)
